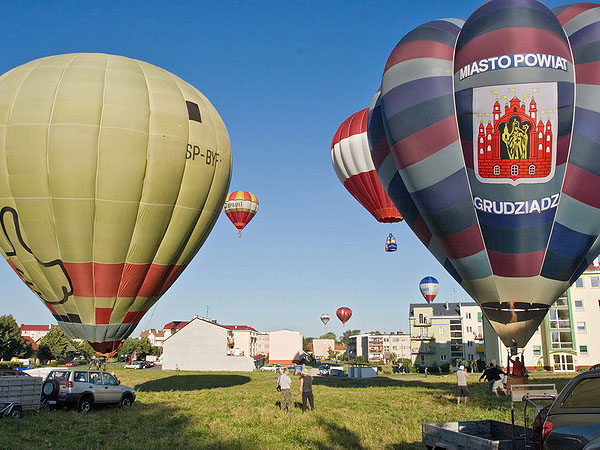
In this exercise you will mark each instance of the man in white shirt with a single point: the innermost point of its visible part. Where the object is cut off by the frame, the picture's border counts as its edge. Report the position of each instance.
(285, 384)
(461, 388)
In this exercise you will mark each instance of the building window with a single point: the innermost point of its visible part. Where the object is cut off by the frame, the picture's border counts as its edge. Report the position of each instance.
(442, 344)
(514, 170)
(537, 350)
(444, 357)
(540, 147)
(470, 357)
(467, 315)
(548, 137)
(540, 135)
(479, 317)
(489, 148)
(547, 149)
(579, 283)
(579, 304)
(481, 140)
(469, 329)
(583, 350)
(422, 360)
(441, 331)
(595, 281)
(532, 170)
(581, 327)
(496, 170)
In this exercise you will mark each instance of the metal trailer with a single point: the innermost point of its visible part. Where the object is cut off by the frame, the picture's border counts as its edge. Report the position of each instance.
(470, 434)
(18, 394)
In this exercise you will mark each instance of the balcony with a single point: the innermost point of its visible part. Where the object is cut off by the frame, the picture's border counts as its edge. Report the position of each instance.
(480, 349)
(421, 337)
(423, 351)
(424, 323)
(558, 324)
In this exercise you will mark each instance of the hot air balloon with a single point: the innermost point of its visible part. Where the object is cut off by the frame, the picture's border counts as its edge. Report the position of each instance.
(344, 313)
(241, 207)
(112, 174)
(475, 140)
(390, 243)
(325, 319)
(353, 165)
(429, 288)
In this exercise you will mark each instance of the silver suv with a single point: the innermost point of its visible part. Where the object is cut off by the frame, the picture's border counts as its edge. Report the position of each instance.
(83, 388)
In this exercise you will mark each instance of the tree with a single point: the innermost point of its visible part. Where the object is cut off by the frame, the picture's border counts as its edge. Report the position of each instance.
(54, 345)
(345, 338)
(12, 343)
(144, 347)
(329, 335)
(305, 342)
(128, 347)
(84, 348)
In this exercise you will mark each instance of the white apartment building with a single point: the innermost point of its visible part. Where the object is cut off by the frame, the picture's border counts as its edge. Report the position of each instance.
(321, 348)
(262, 343)
(35, 332)
(378, 347)
(285, 346)
(244, 339)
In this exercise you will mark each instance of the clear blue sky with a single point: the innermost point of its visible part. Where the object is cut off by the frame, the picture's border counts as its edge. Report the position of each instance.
(283, 75)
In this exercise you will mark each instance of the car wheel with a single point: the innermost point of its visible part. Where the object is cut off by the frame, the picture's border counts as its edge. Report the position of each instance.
(85, 404)
(126, 402)
(16, 412)
(50, 388)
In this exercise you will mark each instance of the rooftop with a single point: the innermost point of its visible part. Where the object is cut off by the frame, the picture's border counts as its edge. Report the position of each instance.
(35, 327)
(441, 309)
(239, 328)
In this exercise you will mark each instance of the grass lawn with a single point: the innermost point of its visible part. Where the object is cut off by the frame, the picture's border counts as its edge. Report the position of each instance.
(224, 410)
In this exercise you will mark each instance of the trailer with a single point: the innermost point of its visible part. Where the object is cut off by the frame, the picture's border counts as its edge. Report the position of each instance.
(18, 394)
(470, 434)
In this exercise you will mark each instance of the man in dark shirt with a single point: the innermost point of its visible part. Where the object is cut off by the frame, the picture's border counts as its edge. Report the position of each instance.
(493, 376)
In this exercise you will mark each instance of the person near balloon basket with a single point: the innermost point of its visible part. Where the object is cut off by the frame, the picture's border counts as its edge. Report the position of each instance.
(462, 391)
(493, 375)
(284, 385)
(306, 390)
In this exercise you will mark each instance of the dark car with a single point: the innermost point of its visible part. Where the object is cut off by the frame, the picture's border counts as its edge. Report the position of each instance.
(573, 420)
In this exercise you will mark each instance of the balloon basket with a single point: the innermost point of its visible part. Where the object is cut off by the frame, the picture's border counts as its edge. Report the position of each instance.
(239, 234)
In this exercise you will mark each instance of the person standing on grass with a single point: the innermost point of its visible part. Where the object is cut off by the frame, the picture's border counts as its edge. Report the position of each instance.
(285, 384)
(461, 388)
(493, 376)
(306, 390)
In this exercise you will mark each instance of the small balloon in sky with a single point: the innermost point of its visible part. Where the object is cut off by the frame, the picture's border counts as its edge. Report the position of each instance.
(429, 288)
(241, 207)
(343, 313)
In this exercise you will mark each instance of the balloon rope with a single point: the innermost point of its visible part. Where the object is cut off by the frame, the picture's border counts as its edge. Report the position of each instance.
(151, 316)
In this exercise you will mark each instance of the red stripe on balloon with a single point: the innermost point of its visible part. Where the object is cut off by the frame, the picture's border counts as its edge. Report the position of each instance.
(582, 185)
(380, 152)
(574, 10)
(103, 316)
(588, 73)
(419, 49)
(425, 142)
(467, 148)
(420, 228)
(516, 264)
(134, 316)
(121, 279)
(367, 189)
(562, 149)
(467, 242)
(511, 40)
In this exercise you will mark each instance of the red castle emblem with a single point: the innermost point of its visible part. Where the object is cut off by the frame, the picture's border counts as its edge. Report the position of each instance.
(513, 147)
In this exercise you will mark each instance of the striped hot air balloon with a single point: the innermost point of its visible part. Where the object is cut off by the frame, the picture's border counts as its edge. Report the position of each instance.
(429, 288)
(112, 174)
(241, 207)
(488, 147)
(353, 166)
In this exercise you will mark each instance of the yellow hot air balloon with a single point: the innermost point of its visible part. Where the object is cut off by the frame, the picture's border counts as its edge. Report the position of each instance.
(112, 174)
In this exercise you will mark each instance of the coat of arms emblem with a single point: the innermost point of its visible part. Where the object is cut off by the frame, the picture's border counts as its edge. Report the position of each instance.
(514, 133)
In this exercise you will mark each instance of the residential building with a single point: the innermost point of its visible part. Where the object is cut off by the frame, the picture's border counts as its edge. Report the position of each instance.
(156, 337)
(322, 347)
(203, 345)
(262, 343)
(567, 339)
(444, 332)
(244, 338)
(285, 346)
(379, 347)
(35, 332)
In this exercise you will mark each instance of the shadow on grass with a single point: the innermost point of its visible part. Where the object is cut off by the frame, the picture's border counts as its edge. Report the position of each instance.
(192, 382)
(338, 436)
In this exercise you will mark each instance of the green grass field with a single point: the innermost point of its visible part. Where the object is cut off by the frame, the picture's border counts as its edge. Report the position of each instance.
(224, 410)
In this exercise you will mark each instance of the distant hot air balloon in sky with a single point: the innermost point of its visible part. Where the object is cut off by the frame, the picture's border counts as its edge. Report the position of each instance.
(112, 175)
(353, 165)
(390, 243)
(241, 207)
(429, 288)
(475, 139)
(344, 313)
(325, 319)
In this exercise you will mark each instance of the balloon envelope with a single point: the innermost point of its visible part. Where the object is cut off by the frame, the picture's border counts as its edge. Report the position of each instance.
(241, 207)
(475, 140)
(429, 288)
(352, 163)
(344, 313)
(324, 318)
(111, 176)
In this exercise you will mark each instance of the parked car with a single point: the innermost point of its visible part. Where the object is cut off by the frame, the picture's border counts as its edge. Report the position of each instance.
(573, 419)
(84, 388)
(269, 368)
(136, 365)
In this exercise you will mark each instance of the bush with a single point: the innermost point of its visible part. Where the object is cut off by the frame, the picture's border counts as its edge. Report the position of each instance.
(408, 365)
(9, 365)
(445, 368)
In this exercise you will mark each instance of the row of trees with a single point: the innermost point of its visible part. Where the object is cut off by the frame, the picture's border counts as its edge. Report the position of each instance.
(55, 345)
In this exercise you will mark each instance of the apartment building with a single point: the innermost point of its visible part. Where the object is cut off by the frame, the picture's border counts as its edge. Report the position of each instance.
(285, 346)
(262, 343)
(378, 347)
(244, 338)
(567, 339)
(443, 332)
(35, 332)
